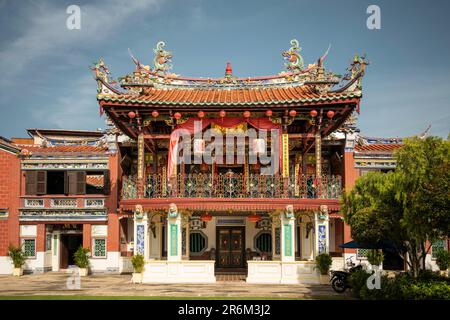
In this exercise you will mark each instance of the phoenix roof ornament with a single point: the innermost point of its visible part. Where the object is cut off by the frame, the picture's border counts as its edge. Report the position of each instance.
(356, 69)
(101, 70)
(293, 57)
(161, 62)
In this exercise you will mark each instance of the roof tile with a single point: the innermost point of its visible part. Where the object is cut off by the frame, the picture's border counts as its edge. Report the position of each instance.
(228, 96)
(385, 148)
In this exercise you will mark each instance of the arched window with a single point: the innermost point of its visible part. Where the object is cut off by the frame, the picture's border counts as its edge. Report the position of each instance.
(263, 242)
(197, 242)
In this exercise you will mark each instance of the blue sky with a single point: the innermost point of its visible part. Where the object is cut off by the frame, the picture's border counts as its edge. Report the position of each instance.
(45, 80)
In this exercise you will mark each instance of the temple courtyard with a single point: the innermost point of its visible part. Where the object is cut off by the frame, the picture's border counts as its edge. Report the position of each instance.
(54, 285)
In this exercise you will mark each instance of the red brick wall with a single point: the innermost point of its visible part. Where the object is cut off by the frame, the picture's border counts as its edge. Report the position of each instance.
(40, 239)
(350, 176)
(87, 235)
(4, 237)
(113, 242)
(9, 199)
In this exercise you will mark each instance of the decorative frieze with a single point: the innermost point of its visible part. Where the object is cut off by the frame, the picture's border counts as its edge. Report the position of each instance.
(94, 203)
(375, 164)
(62, 214)
(64, 166)
(34, 203)
(63, 203)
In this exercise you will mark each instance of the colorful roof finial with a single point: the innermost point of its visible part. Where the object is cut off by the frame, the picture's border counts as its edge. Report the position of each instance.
(101, 70)
(162, 58)
(294, 59)
(228, 71)
(356, 70)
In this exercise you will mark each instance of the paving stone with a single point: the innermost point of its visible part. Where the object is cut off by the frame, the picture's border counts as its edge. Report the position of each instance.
(54, 283)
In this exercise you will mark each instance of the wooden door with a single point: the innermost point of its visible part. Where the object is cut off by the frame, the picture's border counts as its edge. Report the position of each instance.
(64, 259)
(230, 245)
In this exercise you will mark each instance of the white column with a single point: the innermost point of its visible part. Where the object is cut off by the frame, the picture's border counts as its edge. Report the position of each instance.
(145, 222)
(287, 220)
(55, 250)
(174, 226)
(322, 231)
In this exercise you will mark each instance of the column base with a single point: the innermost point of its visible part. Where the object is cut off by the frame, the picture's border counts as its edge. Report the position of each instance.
(198, 271)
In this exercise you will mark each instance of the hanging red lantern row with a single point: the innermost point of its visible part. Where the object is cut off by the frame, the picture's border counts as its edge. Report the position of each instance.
(330, 114)
(201, 114)
(269, 113)
(292, 113)
(155, 114)
(222, 113)
(254, 217)
(247, 114)
(313, 113)
(131, 115)
(177, 115)
(206, 217)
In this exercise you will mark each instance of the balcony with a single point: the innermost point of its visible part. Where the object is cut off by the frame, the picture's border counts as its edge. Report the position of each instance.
(235, 186)
(62, 208)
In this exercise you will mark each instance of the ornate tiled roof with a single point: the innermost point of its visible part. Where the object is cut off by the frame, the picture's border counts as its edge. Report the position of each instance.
(300, 84)
(229, 97)
(96, 181)
(8, 145)
(382, 148)
(378, 145)
(65, 149)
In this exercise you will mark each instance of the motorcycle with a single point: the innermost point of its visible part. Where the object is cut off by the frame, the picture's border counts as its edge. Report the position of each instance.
(340, 279)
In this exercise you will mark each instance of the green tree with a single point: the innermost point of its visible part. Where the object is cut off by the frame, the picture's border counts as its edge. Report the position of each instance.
(408, 206)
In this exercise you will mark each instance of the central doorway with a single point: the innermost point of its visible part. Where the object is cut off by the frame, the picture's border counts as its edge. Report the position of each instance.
(69, 245)
(230, 248)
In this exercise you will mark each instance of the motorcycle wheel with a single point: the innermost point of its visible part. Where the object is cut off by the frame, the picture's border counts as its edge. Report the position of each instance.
(338, 285)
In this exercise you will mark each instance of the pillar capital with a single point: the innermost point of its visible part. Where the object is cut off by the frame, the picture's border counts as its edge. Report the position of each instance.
(138, 212)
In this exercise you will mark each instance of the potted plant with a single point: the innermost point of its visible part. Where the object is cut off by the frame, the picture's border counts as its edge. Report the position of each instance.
(18, 259)
(81, 257)
(443, 261)
(138, 265)
(375, 257)
(323, 263)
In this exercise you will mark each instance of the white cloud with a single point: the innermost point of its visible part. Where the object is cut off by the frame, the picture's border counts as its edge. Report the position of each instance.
(47, 36)
(76, 110)
(47, 32)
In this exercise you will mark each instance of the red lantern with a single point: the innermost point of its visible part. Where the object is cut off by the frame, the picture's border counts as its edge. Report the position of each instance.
(222, 113)
(131, 114)
(155, 114)
(247, 114)
(177, 115)
(269, 113)
(330, 114)
(254, 217)
(292, 113)
(206, 217)
(313, 113)
(201, 114)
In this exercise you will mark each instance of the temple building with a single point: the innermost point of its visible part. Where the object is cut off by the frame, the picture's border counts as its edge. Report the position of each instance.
(202, 176)
(256, 186)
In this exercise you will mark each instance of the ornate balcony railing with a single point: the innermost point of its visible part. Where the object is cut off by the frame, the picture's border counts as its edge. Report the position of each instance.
(234, 186)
